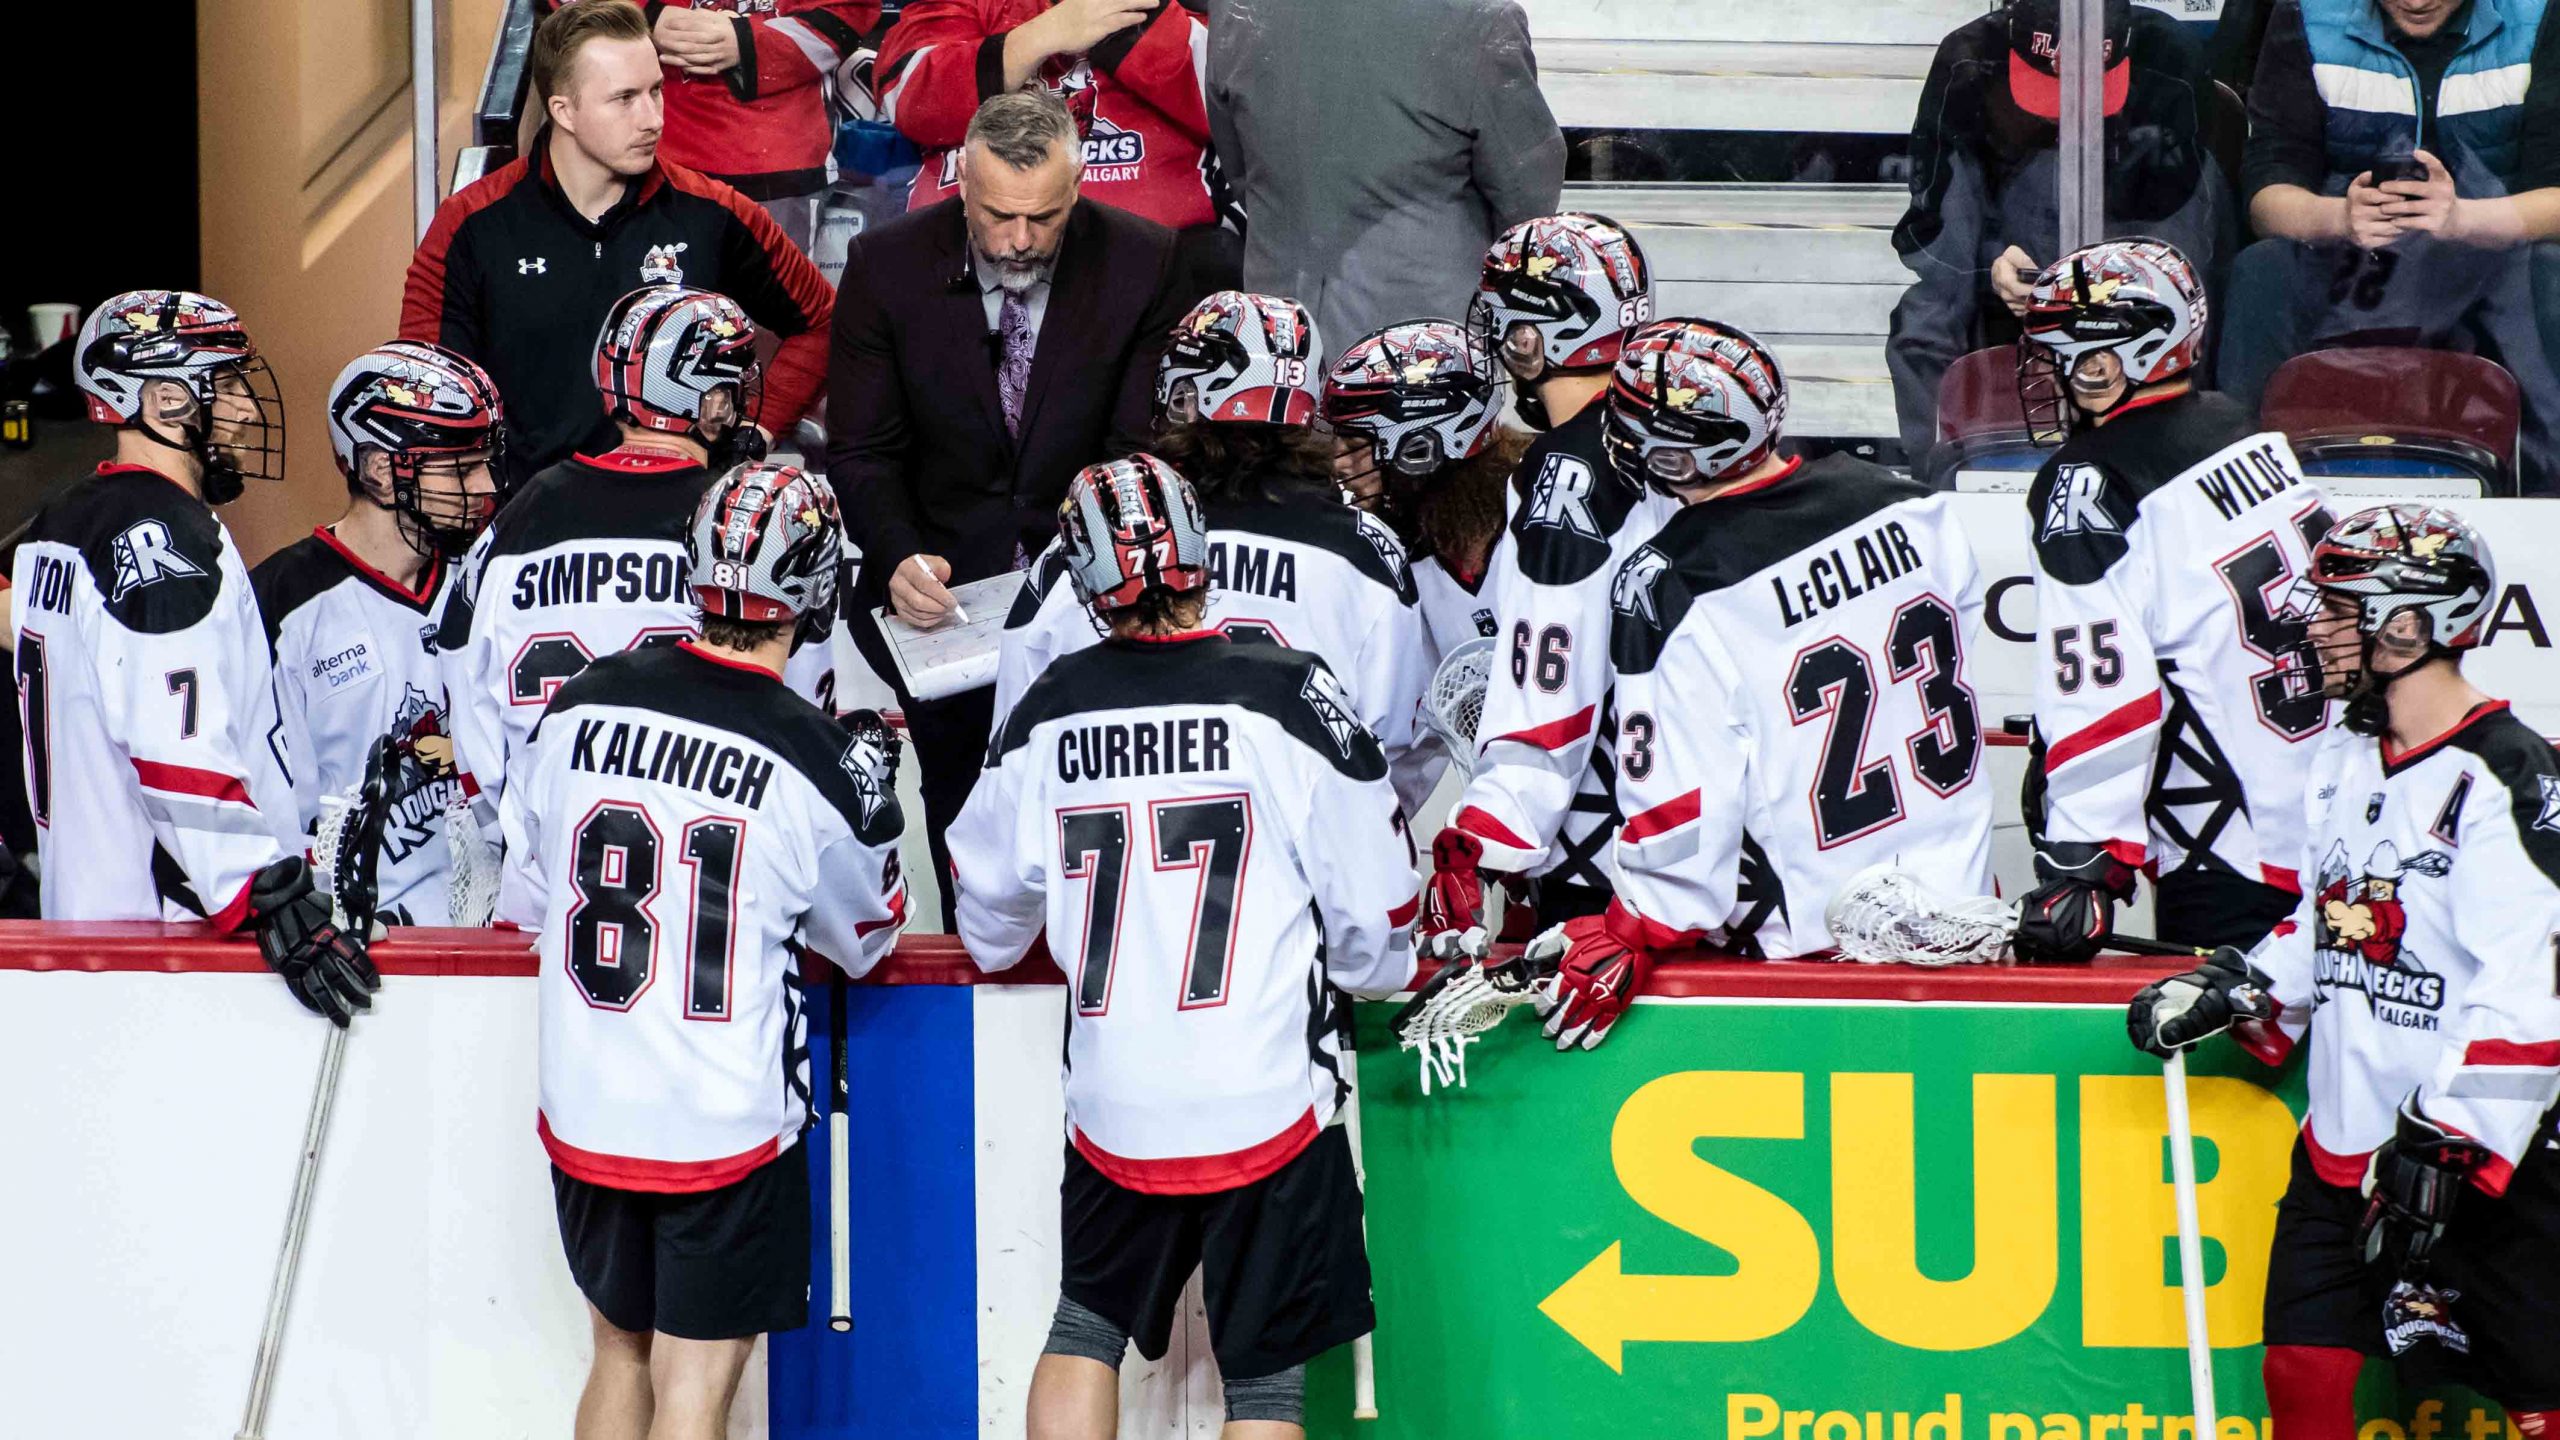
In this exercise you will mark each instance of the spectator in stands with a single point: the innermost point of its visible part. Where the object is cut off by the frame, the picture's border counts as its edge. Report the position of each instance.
(1984, 214)
(986, 348)
(1127, 70)
(2401, 155)
(746, 95)
(518, 270)
(1378, 147)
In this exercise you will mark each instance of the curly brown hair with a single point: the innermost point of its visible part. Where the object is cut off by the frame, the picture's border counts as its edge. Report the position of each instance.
(1456, 514)
(1231, 460)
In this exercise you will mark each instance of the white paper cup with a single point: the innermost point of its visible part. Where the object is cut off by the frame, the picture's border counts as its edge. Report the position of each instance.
(49, 324)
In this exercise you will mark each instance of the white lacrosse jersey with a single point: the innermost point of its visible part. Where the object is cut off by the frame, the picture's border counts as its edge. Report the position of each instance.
(680, 826)
(156, 768)
(1794, 707)
(2165, 542)
(590, 558)
(2422, 956)
(1454, 611)
(1541, 795)
(355, 660)
(1206, 833)
(1314, 575)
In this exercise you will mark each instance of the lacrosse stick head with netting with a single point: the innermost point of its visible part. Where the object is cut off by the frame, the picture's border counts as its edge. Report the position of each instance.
(346, 849)
(1886, 915)
(1454, 1010)
(1453, 703)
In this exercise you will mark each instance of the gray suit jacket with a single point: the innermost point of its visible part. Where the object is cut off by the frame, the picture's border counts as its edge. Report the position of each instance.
(1378, 146)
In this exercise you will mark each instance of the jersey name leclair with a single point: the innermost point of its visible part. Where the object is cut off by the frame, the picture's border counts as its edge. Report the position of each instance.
(582, 577)
(1120, 750)
(724, 772)
(2258, 474)
(1829, 581)
(1254, 570)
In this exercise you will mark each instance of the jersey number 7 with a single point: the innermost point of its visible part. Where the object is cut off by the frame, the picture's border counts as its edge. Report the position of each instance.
(1211, 835)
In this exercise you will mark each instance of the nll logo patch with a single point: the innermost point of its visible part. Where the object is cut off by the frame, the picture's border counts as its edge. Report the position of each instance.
(145, 555)
(2076, 506)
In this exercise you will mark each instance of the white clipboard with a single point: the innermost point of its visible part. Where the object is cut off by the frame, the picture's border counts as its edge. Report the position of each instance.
(960, 653)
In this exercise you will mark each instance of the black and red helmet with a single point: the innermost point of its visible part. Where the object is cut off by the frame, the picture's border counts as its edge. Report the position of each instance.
(420, 405)
(666, 350)
(1239, 356)
(1130, 526)
(1423, 394)
(1565, 290)
(766, 543)
(2398, 558)
(1693, 401)
(2138, 299)
(236, 430)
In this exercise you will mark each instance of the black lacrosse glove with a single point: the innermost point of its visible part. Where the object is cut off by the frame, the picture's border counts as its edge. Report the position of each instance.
(325, 967)
(2410, 1186)
(2066, 919)
(2170, 1015)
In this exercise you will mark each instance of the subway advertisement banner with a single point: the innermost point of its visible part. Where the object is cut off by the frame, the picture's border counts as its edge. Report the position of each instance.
(1767, 1220)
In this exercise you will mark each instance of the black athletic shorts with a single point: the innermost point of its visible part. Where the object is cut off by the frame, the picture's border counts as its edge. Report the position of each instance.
(713, 1265)
(1281, 1261)
(2500, 1256)
(2215, 907)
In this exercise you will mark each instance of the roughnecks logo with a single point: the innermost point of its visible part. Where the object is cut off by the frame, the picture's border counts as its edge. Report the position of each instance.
(2363, 920)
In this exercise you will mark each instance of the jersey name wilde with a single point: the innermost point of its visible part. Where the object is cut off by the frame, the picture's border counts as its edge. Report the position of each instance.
(1208, 837)
(1794, 707)
(157, 769)
(680, 827)
(2425, 944)
(1542, 797)
(1314, 575)
(354, 661)
(2165, 542)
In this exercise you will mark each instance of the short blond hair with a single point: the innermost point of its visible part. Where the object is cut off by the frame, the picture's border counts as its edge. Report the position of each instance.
(567, 30)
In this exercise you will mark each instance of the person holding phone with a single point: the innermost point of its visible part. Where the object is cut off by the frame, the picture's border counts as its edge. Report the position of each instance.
(2399, 191)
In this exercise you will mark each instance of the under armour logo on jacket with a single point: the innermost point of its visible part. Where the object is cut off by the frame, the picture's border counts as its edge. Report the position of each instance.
(145, 554)
(2074, 507)
(1563, 497)
(537, 265)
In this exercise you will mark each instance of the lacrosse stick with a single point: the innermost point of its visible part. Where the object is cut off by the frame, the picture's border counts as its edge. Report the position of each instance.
(1452, 1012)
(2182, 1177)
(1364, 1353)
(348, 857)
(839, 1162)
(1453, 703)
(348, 829)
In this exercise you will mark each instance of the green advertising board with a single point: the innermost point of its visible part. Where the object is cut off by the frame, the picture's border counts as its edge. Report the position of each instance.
(1789, 1220)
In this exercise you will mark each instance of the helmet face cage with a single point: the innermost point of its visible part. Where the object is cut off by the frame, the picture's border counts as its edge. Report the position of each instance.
(2137, 299)
(2390, 561)
(198, 343)
(1130, 526)
(767, 540)
(1691, 402)
(1422, 394)
(665, 350)
(426, 409)
(1240, 357)
(1579, 282)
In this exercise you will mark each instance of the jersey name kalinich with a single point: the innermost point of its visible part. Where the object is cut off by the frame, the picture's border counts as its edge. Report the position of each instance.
(723, 772)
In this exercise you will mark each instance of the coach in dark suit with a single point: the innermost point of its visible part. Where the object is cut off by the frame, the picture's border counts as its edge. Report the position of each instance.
(985, 349)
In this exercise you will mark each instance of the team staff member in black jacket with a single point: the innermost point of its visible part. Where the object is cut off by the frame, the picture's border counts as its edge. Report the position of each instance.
(518, 270)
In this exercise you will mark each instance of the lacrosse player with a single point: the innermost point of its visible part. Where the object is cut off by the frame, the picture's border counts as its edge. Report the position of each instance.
(1789, 660)
(154, 769)
(1416, 403)
(416, 430)
(1288, 562)
(1206, 834)
(679, 826)
(2165, 531)
(2423, 1217)
(1556, 302)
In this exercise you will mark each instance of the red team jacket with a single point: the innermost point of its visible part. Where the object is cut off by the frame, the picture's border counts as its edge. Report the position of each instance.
(763, 125)
(1138, 103)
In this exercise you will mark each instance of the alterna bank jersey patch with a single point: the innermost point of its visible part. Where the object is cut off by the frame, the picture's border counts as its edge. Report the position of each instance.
(351, 664)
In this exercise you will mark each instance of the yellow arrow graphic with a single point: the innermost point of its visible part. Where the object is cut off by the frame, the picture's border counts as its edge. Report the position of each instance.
(1603, 1307)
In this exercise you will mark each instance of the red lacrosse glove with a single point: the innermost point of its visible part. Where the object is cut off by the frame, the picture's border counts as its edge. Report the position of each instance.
(1597, 977)
(1461, 913)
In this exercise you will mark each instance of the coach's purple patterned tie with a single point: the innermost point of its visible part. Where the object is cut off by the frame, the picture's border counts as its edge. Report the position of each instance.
(1013, 324)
